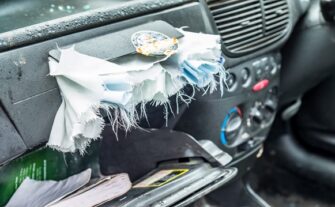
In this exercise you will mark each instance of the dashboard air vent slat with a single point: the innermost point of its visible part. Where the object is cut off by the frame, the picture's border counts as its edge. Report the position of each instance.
(248, 25)
(223, 23)
(243, 36)
(238, 27)
(236, 11)
(245, 42)
(229, 4)
(256, 44)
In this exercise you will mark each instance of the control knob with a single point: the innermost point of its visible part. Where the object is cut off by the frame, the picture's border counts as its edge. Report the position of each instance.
(270, 106)
(256, 116)
(230, 128)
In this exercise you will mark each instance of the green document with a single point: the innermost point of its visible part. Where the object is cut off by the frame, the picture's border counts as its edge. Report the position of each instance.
(44, 164)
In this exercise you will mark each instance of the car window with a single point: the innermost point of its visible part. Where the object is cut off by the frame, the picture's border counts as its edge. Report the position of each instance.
(16, 14)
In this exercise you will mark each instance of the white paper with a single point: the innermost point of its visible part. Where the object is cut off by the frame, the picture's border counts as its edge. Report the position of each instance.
(99, 193)
(34, 193)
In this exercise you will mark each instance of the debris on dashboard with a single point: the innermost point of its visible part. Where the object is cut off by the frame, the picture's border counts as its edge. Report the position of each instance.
(161, 69)
(73, 191)
(151, 43)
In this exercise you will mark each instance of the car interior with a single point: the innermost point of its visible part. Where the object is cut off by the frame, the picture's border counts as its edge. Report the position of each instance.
(266, 139)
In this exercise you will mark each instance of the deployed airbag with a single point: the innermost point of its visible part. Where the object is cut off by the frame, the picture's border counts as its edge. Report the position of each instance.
(89, 84)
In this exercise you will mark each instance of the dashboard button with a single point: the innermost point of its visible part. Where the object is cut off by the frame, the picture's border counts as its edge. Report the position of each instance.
(260, 85)
(245, 76)
(257, 67)
(268, 67)
(256, 64)
(231, 80)
(265, 61)
(274, 70)
(259, 74)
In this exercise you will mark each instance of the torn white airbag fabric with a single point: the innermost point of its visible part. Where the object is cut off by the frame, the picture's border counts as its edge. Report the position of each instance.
(89, 85)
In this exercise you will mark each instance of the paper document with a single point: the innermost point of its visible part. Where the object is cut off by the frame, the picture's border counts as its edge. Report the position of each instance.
(34, 193)
(101, 192)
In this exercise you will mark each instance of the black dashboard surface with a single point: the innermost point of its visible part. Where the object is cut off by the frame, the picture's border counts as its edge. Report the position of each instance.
(31, 97)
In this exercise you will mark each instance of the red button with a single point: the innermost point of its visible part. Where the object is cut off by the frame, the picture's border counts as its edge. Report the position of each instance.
(260, 85)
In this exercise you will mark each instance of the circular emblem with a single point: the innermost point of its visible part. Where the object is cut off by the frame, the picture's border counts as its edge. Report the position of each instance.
(151, 43)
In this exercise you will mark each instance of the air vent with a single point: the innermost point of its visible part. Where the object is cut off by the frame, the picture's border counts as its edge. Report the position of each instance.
(248, 25)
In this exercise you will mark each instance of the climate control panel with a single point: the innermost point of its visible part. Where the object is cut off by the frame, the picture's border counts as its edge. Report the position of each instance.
(257, 80)
(241, 118)
(245, 121)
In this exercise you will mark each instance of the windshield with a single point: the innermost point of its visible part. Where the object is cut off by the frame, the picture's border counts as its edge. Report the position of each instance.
(16, 14)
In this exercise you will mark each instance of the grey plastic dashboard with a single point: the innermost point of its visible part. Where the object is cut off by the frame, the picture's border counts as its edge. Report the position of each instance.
(30, 98)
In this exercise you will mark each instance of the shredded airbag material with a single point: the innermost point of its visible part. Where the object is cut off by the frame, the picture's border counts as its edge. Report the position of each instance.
(89, 85)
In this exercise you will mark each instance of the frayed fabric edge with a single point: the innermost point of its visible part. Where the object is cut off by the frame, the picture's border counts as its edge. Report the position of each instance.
(79, 140)
(119, 118)
(128, 118)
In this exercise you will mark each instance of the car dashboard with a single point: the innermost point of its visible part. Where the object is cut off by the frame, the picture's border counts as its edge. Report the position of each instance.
(238, 122)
